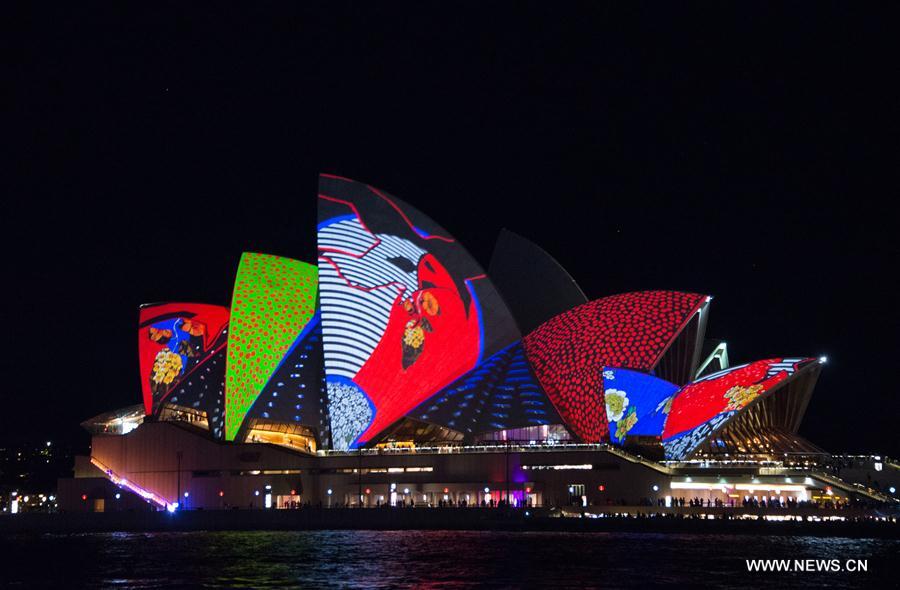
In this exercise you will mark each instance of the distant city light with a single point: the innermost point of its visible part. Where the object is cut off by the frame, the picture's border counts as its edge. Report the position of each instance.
(823, 359)
(49, 443)
(487, 490)
(655, 488)
(172, 507)
(118, 495)
(329, 491)
(256, 492)
(186, 494)
(892, 490)
(221, 493)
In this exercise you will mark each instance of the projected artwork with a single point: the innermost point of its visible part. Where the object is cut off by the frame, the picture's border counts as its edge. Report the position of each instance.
(500, 393)
(632, 330)
(204, 390)
(636, 403)
(273, 300)
(405, 309)
(173, 340)
(295, 393)
(703, 406)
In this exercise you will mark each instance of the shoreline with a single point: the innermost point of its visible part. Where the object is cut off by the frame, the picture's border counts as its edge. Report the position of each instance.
(539, 520)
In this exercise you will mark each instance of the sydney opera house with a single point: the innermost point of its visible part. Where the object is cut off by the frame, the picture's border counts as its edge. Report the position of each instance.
(393, 370)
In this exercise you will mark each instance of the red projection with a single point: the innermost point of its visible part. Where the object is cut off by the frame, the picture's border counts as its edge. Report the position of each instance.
(173, 339)
(732, 389)
(406, 310)
(631, 330)
(439, 340)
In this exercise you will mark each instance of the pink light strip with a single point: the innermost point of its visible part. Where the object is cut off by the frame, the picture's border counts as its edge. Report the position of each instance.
(121, 481)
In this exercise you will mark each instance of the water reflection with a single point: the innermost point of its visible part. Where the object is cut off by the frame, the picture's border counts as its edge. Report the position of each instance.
(423, 559)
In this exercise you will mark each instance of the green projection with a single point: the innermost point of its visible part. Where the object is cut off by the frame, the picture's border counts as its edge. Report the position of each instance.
(273, 299)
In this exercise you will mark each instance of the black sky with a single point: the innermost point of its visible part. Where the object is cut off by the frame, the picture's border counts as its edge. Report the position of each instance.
(750, 154)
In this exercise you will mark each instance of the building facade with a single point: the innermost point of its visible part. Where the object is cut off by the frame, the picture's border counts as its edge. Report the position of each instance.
(395, 371)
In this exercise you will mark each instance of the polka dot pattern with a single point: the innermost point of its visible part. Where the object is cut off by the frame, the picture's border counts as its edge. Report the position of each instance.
(273, 299)
(631, 330)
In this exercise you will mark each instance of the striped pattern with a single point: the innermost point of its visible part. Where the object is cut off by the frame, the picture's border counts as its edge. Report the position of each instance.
(789, 365)
(359, 284)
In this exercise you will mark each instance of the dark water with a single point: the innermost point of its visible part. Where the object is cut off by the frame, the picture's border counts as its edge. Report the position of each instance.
(428, 559)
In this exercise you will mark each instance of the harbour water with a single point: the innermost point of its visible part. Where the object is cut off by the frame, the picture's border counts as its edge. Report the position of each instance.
(430, 559)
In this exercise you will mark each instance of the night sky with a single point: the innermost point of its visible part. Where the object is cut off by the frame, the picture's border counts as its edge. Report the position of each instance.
(749, 154)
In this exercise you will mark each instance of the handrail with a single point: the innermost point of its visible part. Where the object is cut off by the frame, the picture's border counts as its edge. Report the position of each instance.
(638, 459)
(505, 448)
(849, 487)
(460, 449)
